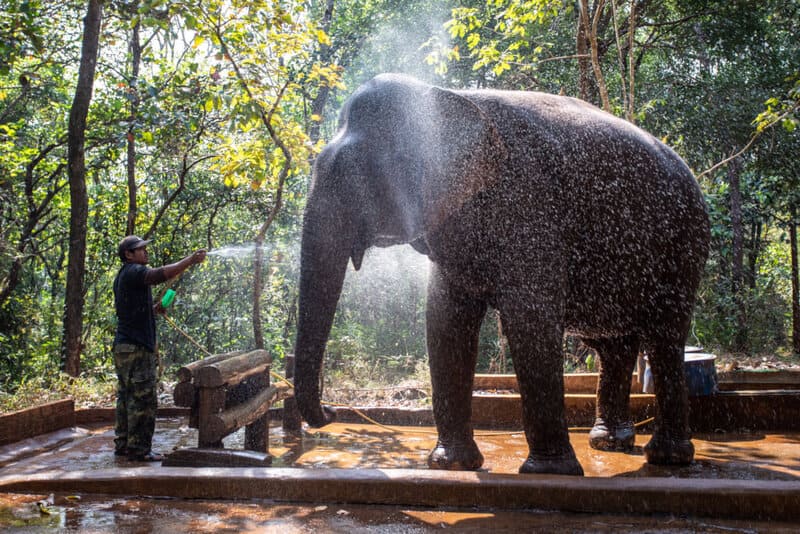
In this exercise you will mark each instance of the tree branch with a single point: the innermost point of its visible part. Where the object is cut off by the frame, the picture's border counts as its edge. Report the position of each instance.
(185, 168)
(755, 136)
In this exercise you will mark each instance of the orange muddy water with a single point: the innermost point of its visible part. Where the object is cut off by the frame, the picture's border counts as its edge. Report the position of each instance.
(750, 456)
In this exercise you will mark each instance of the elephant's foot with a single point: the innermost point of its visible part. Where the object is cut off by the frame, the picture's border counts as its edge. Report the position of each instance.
(565, 464)
(666, 451)
(606, 437)
(462, 456)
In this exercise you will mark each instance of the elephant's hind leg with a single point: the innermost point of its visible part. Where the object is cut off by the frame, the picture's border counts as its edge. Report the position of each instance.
(613, 428)
(536, 350)
(670, 444)
(453, 326)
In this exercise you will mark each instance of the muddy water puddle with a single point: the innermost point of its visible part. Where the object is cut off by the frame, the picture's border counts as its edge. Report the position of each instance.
(98, 514)
(742, 456)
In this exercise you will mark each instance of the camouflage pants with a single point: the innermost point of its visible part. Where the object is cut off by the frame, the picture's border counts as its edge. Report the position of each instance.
(136, 398)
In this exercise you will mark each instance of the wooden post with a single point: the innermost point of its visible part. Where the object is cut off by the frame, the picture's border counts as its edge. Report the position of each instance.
(212, 402)
(256, 435)
(184, 394)
(291, 417)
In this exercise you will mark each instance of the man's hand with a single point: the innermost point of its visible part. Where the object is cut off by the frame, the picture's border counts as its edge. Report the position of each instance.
(158, 309)
(199, 256)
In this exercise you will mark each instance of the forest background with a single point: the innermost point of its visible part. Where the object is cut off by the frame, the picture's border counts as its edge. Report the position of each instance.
(196, 122)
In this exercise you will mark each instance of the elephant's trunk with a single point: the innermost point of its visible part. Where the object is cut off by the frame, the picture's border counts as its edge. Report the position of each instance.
(326, 244)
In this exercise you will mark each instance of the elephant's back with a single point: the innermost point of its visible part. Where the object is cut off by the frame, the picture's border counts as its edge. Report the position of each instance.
(629, 215)
(608, 173)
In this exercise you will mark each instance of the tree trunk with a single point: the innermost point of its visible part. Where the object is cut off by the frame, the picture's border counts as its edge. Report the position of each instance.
(795, 283)
(258, 284)
(136, 57)
(79, 202)
(737, 259)
(631, 62)
(753, 253)
(591, 29)
(317, 109)
(623, 69)
(584, 64)
(266, 119)
(502, 343)
(320, 101)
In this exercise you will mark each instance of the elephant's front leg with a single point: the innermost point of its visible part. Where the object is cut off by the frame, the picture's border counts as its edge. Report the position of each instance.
(453, 325)
(613, 427)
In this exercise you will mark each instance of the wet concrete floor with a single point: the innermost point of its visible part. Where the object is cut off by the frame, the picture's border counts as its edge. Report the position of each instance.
(746, 456)
(99, 514)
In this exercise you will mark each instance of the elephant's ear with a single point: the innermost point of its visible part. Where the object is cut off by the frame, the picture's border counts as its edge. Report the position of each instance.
(464, 155)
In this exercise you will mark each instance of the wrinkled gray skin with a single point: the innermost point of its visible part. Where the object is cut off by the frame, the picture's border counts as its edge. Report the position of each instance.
(560, 216)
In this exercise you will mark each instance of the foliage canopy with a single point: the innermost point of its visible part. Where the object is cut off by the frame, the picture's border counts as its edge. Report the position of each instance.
(211, 112)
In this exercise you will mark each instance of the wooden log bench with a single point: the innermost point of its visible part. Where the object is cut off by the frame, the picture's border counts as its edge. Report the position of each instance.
(226, 392)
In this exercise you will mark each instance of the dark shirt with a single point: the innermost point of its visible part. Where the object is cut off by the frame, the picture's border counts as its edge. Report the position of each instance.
(133, 300)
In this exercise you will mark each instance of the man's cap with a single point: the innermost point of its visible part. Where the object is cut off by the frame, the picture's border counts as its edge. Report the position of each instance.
(132, 242)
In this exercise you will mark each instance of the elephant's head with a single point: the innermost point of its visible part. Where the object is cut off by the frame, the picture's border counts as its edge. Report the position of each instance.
(405, 158)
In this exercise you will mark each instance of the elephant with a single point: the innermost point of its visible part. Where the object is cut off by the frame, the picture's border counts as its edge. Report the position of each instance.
(562, 217)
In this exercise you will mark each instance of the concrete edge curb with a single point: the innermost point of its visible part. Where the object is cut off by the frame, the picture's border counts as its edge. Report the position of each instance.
(39, 444)
(734, 499)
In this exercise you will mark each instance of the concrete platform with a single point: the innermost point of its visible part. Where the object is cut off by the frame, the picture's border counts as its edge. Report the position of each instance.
(352, 476)
(752, 476)
(770, 500)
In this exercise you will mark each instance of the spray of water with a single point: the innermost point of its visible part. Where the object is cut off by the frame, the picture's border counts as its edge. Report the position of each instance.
(236, 251)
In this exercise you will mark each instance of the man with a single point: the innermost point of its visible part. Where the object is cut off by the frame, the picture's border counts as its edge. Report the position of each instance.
(135, 346)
